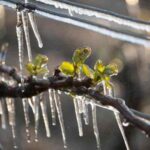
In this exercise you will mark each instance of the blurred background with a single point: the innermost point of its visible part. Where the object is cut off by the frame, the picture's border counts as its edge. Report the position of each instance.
(60, 40)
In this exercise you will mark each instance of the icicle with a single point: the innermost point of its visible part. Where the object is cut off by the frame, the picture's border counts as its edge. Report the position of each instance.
(26, 116)
(36, 102)
(78, 116)
(35, 29)
(60, 117)
(31, 104)
(121, 129)
(3, 113)
(85, 111)
(3, 53)
(12, 123)
(52, 106)
(44, 114)
(80, 106)
(116, 113)
(95, 128)
(26, 32)
(19, 32)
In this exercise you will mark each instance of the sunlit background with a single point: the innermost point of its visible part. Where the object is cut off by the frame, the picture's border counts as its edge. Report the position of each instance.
(60, 40)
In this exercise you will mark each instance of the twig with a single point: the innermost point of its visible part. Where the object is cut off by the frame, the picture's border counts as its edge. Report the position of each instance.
(34, 87)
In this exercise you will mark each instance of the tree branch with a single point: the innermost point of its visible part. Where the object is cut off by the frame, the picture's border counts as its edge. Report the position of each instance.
(33, 86)
(47, 10)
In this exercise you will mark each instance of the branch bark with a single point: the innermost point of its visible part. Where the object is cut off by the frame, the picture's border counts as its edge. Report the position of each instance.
(34, 86)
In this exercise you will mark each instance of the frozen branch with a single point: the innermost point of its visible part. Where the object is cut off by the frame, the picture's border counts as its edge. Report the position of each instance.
(47, 10)
(34, 86)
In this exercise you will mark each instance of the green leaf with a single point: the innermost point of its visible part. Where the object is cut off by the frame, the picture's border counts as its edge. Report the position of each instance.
(67, 68)
(87, 71)
(80, 55)
(42, 71)
(99, 66)
(111, 69)
(107, 81)
(40, 60)
(30, 68)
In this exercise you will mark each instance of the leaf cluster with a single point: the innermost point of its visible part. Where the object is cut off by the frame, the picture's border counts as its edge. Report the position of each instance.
(77, 67)
(38, 66)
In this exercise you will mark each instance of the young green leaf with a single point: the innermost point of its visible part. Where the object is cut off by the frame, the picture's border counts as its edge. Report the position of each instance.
(67, 68)
(111, 69)
(30, 68)
(99, 66)
(87, 71)
(40, 60)
(80, 55)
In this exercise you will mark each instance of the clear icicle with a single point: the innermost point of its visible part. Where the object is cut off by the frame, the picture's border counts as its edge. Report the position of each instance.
(95, 127)
(12, 123)
(19, 32)
(117, 117)
(52, 106)
(36, 115)
(45, 116)
(78, 116)
(85, 112)
(3, 113)
(35, 29)
(80, 106)
(26, 116)
(60, 117)
(26, 32)
(121, 129)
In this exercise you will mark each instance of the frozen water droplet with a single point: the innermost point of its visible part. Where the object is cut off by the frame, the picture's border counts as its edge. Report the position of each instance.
(60, 117)
(44, 114)
(26, 32)
(95, 127)
(52, 106)
(125, 123)
(14, 137)
(78, 116)
(35, 28)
